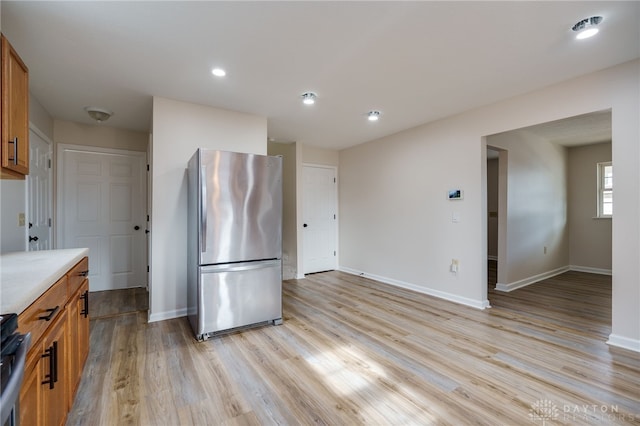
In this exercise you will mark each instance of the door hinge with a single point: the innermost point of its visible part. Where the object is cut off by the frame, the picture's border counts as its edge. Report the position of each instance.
(49, 222)
(334, 216)
(334, 252)
(49, 162)
(334, 180)
(147, 167)
(147, 268)
(147, 218)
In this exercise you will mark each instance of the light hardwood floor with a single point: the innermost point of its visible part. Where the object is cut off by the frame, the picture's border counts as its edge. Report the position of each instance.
(117, 302)
(354, 351)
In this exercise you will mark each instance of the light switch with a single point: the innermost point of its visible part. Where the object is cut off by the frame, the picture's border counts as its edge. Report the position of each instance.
(455, 217)
(20, 219)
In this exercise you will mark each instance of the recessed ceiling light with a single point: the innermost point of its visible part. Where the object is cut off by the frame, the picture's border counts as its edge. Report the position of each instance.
(218, 72)
(309, 98)
(373, 115)
(587, 27)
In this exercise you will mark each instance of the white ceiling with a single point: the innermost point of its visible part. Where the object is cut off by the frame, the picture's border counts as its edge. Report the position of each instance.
(414, 61)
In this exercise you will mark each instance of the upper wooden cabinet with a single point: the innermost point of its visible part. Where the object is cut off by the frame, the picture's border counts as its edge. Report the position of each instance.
(15, 114)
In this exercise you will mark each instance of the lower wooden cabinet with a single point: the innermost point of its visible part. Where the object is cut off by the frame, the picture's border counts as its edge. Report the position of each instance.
(55, 374)
(56, 359)
(78, 324)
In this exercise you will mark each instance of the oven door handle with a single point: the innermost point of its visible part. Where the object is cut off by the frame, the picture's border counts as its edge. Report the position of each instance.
(11, 393)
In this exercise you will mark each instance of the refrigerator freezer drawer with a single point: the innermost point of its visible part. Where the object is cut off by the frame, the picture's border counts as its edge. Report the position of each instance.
(237, 295)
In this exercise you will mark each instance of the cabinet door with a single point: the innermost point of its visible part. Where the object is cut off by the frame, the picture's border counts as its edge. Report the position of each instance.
(72, 354)
(55, 374)
(83, 324)
(15, 113)
(78, 337)
(31, 391)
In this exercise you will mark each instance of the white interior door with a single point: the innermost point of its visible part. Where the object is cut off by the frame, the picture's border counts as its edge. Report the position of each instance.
(39, 194)
(320, 218)
(102, 206)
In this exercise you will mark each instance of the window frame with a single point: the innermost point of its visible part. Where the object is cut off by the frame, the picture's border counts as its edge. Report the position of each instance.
(601, 189)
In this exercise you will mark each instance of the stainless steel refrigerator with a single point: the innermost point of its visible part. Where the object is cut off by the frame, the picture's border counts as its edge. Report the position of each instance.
(234, 276)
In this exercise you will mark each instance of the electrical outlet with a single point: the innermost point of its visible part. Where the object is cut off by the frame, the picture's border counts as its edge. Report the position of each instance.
(21, 219)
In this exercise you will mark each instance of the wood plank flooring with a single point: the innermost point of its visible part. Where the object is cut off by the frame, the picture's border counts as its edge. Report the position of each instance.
(118, 302)
(354, 351)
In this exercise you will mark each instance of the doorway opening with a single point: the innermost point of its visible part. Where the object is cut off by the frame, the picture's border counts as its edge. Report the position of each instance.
(550, 224)
(102, 205)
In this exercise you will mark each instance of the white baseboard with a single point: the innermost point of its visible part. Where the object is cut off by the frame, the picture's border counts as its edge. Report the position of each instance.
(624, 342)
(530, 280)
(590, 270)
(430, 292)
(161, 316)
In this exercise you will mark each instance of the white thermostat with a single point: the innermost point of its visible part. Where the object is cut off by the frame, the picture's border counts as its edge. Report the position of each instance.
(455, 194)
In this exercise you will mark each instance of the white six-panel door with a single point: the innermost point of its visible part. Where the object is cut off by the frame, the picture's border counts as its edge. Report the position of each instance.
(319, 218)
(39, 193)
(102, 199)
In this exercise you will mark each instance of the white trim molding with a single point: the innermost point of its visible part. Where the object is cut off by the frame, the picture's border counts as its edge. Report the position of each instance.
(590, 270)
(624, 342)
(531, 280)
(478, 304)
(161, 316)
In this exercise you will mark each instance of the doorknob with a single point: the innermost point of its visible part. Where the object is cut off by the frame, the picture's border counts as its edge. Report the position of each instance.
(305, 225)
(32, 238)
(136, 227)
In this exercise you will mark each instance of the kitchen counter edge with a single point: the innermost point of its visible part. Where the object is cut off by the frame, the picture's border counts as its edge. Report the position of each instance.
(25, 276)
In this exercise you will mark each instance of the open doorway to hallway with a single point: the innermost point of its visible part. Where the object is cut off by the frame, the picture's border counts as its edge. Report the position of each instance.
(552, 222)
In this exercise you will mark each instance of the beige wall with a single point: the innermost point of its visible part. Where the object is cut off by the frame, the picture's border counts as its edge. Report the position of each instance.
(589, 237)
(179, 129)
(99, 135)
(13, 200)
(396, 221)
(289, 212)
(314, 155)
(536, 202)
(40, 118)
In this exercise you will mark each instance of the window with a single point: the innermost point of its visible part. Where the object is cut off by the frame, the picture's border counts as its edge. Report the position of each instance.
(605, 189)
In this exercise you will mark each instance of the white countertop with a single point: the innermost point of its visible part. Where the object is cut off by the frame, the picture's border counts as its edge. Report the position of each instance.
(26, 275)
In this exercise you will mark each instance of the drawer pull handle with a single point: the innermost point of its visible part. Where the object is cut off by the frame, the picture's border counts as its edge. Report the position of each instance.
(85, 309)
(52, 312)
(84, 273)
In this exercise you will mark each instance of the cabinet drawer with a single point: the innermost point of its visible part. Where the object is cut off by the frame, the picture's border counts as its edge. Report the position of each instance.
(44, 311)
(77, 275)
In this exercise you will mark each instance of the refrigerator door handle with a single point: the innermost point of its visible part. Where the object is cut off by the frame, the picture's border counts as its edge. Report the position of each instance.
(240, 266)
(203, 218)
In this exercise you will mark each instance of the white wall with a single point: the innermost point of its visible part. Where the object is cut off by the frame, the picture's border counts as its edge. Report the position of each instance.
(396, 221)
(536, 209)
(492, 208)
(179, 129)
(589, 237)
